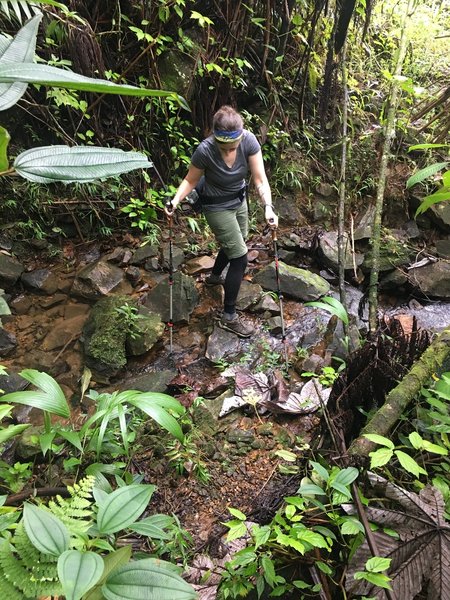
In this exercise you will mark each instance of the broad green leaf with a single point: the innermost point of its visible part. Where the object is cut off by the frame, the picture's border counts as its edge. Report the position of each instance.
(4, 141)
(147, 579)
(51, 397)
(5, 410)
(427, 146)
(376, 578)
(409, 463)
(379, 439)
(310, 489)
(434, 448)
(443, 195)
(378, 564)
(21, 49)
(286, 455)
(46, 440)
(73, 437)
(159, 414)
(111, 561)
(54, 77)
(163, 400)
(237, 529)
(148, 528)
(331, 305)
(351, 526)
(77, 164)
(342, 489)
(310, 537)
(46, 532)
(320, 470)
(416, 440)
(380, 457)
(346, 476)
(260, 534)
(122, 507)
(78, 572)
(10, 431)
(425, 173)
(237, 513)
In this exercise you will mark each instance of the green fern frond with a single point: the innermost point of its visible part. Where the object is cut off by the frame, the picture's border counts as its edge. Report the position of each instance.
(22, 579)
(75, 512)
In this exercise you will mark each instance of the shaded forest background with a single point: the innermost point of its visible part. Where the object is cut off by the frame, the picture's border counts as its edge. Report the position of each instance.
(280, 63)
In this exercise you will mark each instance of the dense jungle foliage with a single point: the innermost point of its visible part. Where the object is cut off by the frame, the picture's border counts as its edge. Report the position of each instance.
(350, 95)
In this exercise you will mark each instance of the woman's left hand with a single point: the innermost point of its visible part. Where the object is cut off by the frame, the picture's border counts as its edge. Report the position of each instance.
(271, 217)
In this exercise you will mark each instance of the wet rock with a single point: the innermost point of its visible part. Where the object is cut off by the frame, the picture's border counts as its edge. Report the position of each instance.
(12, 382)
(143, 253)
(221, 344)
(325, 189)
(267, 304)
(147, 330)
(41, 281)
(153, 381)
(104, 337)
(294, 282)
(178, 257)
(328, 251)
(275, 325)
(10, 270)
(432, 279)
(75, 309)
(364, 226)
(120, 256)
(184, 298)
(443, 248)
(8, 343)
(96, 280)
(249, 295)
(133, 274)
(200, 264)
(52, 301)
(240, 436)
(63, 332)
(21, 305)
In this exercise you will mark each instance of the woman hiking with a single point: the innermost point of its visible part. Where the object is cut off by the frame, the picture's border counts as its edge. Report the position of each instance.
(223, 160)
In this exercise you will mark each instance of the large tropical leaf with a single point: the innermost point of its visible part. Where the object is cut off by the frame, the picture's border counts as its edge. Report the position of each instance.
(149, 578)
(158, 413)
(123, 507)
(19, 50)
(419, 556)
(54, 77)
(425, 173)
(46, 532)
(50, 397)
(111, 562)
(25, 6)
(4, 141)
(78, 572)
(7, 433)
(80, 163)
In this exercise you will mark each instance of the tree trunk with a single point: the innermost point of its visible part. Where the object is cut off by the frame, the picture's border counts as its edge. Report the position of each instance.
(342, 251)
(435, 359)
(389, 133)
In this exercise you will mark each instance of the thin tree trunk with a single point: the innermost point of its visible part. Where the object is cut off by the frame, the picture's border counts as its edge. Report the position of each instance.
(342, 251)
(389, 133)
(435, 359)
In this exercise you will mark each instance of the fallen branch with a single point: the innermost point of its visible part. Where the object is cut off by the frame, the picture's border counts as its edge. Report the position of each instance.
(435, 360)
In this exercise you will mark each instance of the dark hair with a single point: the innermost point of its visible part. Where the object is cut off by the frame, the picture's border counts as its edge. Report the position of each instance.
(227, 119)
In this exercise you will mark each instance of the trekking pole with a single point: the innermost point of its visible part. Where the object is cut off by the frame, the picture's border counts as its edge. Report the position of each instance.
(170, 323)
(280, 295)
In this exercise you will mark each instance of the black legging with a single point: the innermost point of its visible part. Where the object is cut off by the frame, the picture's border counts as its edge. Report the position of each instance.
(233, 279)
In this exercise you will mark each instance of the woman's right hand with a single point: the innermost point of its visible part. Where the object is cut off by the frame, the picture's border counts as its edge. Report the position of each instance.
(170, 207)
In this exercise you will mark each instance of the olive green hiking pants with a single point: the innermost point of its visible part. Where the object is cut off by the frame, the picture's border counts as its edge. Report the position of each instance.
(230, 228)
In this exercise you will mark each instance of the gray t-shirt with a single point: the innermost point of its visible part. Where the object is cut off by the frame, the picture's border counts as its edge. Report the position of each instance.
(221, 180)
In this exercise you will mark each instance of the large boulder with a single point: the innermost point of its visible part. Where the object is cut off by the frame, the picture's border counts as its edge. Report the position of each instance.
(294, 282)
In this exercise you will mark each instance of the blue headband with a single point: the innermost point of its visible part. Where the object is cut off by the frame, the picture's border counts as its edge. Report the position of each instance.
(227, 136)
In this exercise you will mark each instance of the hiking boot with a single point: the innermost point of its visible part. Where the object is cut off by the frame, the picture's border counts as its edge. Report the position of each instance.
(236, 326)
(214, 280)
